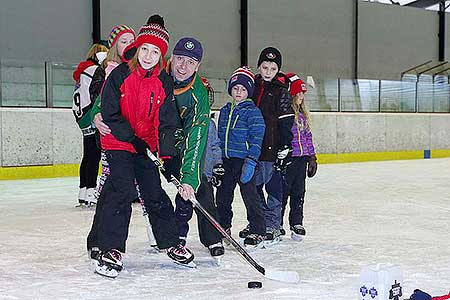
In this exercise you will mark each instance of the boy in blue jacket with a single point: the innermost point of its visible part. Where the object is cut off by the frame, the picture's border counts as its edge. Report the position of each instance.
(241, 132)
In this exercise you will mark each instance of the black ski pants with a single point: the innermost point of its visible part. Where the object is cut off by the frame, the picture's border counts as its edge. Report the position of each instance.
(294, 187)
(89, 163)
(113, 212)
(252, 200)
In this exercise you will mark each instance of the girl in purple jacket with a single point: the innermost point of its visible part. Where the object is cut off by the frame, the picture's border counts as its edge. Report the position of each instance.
(304, 159)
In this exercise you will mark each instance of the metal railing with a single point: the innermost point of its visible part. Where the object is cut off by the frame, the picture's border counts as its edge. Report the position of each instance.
(50, 84)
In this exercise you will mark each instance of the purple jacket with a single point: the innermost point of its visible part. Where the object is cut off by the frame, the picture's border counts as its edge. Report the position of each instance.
(302, 143)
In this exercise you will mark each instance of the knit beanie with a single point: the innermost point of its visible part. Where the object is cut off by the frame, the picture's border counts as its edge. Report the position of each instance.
(117, 31)
(154, 33)
(296, 85)
(270, 54)
(190, 47)
(243, 76)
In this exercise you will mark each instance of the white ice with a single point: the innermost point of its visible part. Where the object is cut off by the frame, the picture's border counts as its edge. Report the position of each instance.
(355, 215)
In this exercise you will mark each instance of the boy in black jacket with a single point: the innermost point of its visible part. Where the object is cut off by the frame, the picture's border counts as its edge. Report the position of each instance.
(272, 97)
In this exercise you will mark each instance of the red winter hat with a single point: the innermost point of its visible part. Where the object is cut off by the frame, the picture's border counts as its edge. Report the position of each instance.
(154, 33)
(296, 85)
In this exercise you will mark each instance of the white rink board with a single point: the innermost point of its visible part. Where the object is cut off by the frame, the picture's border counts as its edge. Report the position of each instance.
(355, 215)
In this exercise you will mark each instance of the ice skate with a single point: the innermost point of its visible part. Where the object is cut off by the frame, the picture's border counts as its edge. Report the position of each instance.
(298, 232)
(273, 237)
(93, 256)
(82, 197)
(254, 240)
(109, 264)
(91, 197)
(217, 251)
(244, 232)
(181, 256)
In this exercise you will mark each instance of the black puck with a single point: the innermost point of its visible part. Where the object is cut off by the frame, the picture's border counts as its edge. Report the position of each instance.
(254, 284)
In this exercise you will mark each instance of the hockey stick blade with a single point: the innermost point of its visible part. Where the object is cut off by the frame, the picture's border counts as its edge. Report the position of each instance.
(283, 276)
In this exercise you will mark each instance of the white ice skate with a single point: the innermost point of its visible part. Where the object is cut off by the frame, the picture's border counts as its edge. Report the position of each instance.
(109, 264)
(182, 256)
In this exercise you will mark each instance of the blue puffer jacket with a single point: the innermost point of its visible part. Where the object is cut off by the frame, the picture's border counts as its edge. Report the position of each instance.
(241, 130)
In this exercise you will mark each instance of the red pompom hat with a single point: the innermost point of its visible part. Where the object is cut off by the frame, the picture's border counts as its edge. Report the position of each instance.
(296, 85)
(154, 33)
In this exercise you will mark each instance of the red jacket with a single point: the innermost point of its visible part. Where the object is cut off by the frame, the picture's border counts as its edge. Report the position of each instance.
(139, 103)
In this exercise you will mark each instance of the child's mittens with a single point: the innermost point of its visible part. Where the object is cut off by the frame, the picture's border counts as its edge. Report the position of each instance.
(248, 170)
(284, 158)
(218, 172)
(312, 166)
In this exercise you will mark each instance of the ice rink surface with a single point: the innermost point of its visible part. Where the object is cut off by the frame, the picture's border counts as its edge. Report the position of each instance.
(355, 215)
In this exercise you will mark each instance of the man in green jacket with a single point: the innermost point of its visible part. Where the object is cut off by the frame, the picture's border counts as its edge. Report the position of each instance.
(192, 102)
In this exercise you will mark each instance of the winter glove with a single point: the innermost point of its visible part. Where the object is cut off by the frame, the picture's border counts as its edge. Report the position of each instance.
(139, 145)
(218, 172)
(284, 158)
(312, 166)
(171, 167)
(248, 170)
(420, 295)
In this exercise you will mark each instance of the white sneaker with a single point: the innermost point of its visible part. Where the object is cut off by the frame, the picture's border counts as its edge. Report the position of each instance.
(91, 197)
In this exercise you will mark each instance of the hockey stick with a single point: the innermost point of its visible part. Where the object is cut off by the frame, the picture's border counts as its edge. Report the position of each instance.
(284, 276)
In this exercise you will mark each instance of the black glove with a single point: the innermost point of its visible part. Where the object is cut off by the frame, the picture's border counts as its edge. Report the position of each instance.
(284, 158)
(139, 145)
(217, 175)
(312, 166)
(171, 167)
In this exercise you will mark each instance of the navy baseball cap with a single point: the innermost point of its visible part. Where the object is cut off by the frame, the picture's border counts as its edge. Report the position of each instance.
(190, 47)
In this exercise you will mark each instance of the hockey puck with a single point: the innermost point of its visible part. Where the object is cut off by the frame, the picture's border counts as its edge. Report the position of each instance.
(254, 284)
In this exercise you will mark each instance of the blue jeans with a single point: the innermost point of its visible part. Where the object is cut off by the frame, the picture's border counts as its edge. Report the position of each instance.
(266, 175)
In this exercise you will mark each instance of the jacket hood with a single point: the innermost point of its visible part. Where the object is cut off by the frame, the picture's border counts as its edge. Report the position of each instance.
(81, 67)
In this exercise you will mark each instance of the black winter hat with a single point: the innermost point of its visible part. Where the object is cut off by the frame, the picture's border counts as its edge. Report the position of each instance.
(270, 54)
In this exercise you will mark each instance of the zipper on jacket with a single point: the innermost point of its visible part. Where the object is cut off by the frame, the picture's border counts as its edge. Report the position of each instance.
(152, 95)
(228, 129)
(235, 121)
(298, 138)
(258, 100)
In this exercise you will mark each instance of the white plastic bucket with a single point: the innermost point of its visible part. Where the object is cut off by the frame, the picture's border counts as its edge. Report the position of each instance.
(381, 282)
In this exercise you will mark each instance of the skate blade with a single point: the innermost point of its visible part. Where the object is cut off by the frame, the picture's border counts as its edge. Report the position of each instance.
(190, 265)
(251, 248)
(297, 237)
(270, 243)
(154, 249)
(217, 260)
(106, 271)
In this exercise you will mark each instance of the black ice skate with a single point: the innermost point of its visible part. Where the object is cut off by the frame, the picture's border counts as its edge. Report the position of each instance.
(217, 251)
(254, 240)
(244, 232)
(297, 232)
(109, 264)
(181, 255)
(273, 237)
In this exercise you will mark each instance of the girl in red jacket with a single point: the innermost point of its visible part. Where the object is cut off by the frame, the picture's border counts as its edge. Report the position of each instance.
(139, 108)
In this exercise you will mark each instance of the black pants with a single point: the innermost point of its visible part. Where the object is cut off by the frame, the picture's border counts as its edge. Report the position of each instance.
(252, 200)
(89, 163)
(113, 212)
(183, 212)
(294, 186)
